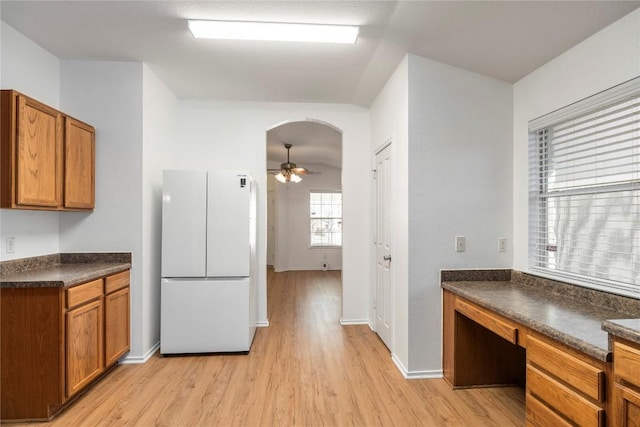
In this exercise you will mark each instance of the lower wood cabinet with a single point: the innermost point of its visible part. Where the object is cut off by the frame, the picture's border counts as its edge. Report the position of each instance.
(627, 407)
(55, 342)
(626, 391)
(85, 355)
(116, 317)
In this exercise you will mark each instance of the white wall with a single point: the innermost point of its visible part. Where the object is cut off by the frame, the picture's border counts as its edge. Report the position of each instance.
(389, 122)
(292, 236)
(605, 59)
(232, 135)
(31, 70)
(108, 95)
(451, 136)
(141, 129)
(28, 68)
(460, 184)
(159, 111)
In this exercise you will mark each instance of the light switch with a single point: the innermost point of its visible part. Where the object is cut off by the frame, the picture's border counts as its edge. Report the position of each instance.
(461, 244)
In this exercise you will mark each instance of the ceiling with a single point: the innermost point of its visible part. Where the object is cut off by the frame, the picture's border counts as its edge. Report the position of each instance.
(502, 39)
(311, 142)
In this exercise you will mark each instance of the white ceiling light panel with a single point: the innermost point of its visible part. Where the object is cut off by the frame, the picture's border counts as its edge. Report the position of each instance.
(273, 31)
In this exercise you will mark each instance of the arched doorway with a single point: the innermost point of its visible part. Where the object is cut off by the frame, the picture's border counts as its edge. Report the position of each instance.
(304, 226)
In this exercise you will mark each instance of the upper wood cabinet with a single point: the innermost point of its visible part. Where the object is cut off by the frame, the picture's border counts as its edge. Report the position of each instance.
(47, 159)
(31, 142)
(79, 165)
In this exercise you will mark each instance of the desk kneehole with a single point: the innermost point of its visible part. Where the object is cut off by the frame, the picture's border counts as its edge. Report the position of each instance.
(481, 348)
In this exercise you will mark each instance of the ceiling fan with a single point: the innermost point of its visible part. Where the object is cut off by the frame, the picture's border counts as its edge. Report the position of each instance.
(288, 171)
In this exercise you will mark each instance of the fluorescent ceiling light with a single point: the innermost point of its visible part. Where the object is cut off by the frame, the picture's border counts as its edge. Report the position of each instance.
(273, 31)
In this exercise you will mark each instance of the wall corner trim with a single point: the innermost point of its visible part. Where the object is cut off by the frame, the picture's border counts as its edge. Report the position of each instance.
(415, 375)
(138, 360)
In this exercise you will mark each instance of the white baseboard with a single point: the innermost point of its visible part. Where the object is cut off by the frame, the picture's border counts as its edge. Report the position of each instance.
(348, 322)
(281, 270)
(415, 375)
(136, 360)
(262, 323)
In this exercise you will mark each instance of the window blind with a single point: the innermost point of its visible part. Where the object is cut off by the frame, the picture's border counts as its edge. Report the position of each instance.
(584, 210)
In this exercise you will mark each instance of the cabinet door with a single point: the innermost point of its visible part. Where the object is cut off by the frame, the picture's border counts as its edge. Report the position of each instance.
(79, 165)
(38, 157)
(627, 406)
(85, 352)
(116, 314)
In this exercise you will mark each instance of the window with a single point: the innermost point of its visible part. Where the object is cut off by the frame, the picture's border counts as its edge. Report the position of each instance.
(584, 210)
(325, 218)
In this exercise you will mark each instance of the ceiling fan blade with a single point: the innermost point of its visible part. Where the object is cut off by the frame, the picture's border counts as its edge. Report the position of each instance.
(303, 171)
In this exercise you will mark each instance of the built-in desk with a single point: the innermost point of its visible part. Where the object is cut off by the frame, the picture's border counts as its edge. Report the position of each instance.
(503, 327)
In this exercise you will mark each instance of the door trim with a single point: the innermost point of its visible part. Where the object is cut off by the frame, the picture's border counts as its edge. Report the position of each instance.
(374, 306)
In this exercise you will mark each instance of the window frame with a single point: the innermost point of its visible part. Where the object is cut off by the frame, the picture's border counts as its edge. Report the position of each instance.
(312, 218)
(540, 141)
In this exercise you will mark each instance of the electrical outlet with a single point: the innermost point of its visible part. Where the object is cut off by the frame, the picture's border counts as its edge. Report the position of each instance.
(461, 244)
(11, 245)
(502, 244)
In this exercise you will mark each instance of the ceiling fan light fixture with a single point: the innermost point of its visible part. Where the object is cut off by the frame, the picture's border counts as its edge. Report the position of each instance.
(281, 178)
(288, 177)
(288, 171)
(273, 31)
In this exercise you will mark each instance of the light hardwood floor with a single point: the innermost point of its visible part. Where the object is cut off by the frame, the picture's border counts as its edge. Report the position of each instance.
(303, 370)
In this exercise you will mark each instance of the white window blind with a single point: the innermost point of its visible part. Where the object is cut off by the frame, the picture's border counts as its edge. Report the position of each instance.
(584, 210)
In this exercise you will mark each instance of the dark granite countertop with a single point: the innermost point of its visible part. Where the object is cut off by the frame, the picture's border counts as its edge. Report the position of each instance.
(61, 270)
(628, 329)
(561, 316)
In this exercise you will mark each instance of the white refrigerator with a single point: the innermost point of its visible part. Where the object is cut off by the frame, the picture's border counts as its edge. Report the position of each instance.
(208, 288)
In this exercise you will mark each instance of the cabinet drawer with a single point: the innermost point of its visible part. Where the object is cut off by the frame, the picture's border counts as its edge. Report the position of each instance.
(539, 415)
(490, 321)
(575, 372)
(564, 400)
(117, 281)
(626, 363)
(83, 293)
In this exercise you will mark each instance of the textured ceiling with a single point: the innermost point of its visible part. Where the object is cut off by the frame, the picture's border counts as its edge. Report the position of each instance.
(502, 39)
(311, 142)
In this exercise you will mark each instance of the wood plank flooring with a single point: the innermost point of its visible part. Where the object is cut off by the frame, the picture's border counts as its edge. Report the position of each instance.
(303, 370)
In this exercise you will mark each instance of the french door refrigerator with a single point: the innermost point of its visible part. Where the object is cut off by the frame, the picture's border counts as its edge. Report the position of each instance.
(208, 292)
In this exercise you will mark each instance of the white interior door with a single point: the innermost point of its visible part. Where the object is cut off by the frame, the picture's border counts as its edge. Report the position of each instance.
(383, 279)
